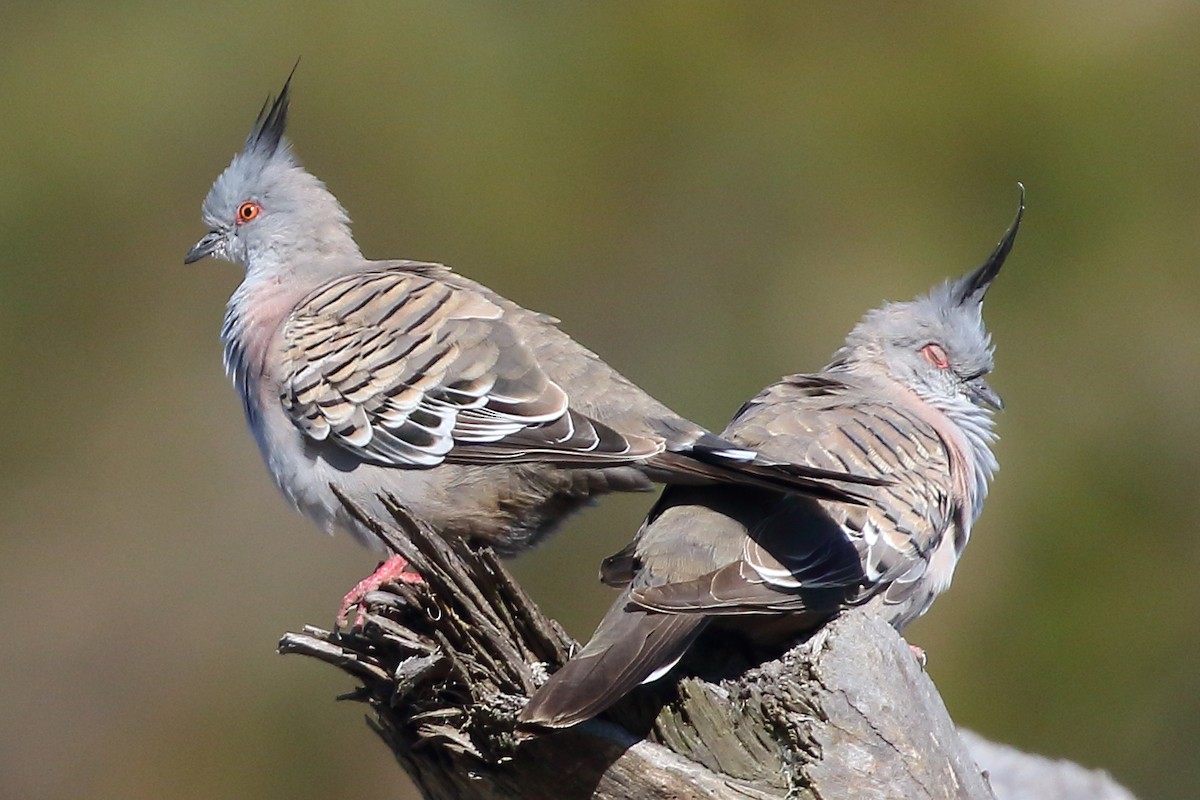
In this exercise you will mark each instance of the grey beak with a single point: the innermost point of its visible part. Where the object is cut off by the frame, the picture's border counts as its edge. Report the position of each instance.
(203, 247)
(982, 394)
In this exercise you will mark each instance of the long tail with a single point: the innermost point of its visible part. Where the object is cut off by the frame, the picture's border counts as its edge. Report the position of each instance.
(747, 468)
(631, 646)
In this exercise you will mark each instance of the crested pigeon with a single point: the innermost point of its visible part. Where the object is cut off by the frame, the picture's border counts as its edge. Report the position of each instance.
(905, 399)
(367, 380)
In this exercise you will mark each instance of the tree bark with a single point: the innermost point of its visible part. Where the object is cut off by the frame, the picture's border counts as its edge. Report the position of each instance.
(446, 666)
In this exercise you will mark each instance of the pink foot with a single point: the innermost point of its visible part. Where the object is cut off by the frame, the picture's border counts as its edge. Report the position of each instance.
(393, 570)
(919, 655)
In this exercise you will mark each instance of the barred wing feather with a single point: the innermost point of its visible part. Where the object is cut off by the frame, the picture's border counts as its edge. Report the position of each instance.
(404, 370)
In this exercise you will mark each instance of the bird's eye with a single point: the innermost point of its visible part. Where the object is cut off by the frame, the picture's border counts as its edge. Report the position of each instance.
(935, 355)
(248, 211)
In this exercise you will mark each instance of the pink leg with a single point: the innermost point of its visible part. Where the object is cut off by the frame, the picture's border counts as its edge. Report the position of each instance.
(393, 570)
(918, 654)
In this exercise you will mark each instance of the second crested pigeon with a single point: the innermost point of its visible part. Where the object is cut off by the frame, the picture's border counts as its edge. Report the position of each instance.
(905, 399)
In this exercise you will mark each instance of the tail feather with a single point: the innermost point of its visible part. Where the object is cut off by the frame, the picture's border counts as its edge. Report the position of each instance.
(629, 647)
(710, 466)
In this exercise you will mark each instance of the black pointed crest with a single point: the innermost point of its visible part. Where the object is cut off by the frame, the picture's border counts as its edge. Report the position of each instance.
(268, 129)
(972, 287)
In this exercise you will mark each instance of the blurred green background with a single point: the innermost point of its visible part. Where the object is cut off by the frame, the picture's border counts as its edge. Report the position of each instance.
(709, 195)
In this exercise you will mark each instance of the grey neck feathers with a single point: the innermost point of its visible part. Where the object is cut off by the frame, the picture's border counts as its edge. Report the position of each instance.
(310, 236)
(976, 425)
(233, 339)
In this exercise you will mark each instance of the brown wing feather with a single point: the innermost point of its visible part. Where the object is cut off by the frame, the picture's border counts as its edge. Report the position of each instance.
(769, 553)
(824, 422)
(406, 370)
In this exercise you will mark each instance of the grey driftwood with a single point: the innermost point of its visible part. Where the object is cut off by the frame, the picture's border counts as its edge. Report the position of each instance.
(849, 713)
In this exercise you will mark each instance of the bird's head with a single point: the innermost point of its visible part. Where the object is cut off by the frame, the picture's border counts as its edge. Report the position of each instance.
(936, 344)
(265, 211)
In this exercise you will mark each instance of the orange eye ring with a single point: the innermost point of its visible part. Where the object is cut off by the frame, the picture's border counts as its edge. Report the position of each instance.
(248, 211)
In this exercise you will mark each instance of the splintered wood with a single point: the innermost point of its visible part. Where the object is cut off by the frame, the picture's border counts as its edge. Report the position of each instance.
(445, 667)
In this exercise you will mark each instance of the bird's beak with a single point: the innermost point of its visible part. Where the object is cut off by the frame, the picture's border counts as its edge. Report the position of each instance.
(982, 394)
(203, 247)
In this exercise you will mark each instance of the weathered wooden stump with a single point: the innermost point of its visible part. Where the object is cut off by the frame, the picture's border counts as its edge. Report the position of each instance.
(445, 667)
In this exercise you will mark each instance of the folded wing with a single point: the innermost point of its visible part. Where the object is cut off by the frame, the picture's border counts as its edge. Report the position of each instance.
(404, 370)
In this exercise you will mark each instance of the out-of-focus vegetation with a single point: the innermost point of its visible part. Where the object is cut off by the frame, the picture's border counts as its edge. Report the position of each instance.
(707, 194)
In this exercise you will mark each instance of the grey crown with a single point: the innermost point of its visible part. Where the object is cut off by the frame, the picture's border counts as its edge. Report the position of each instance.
(368, 379)
(904, 400)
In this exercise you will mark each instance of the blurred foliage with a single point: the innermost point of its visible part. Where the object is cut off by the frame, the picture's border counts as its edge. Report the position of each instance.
(707, 194)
